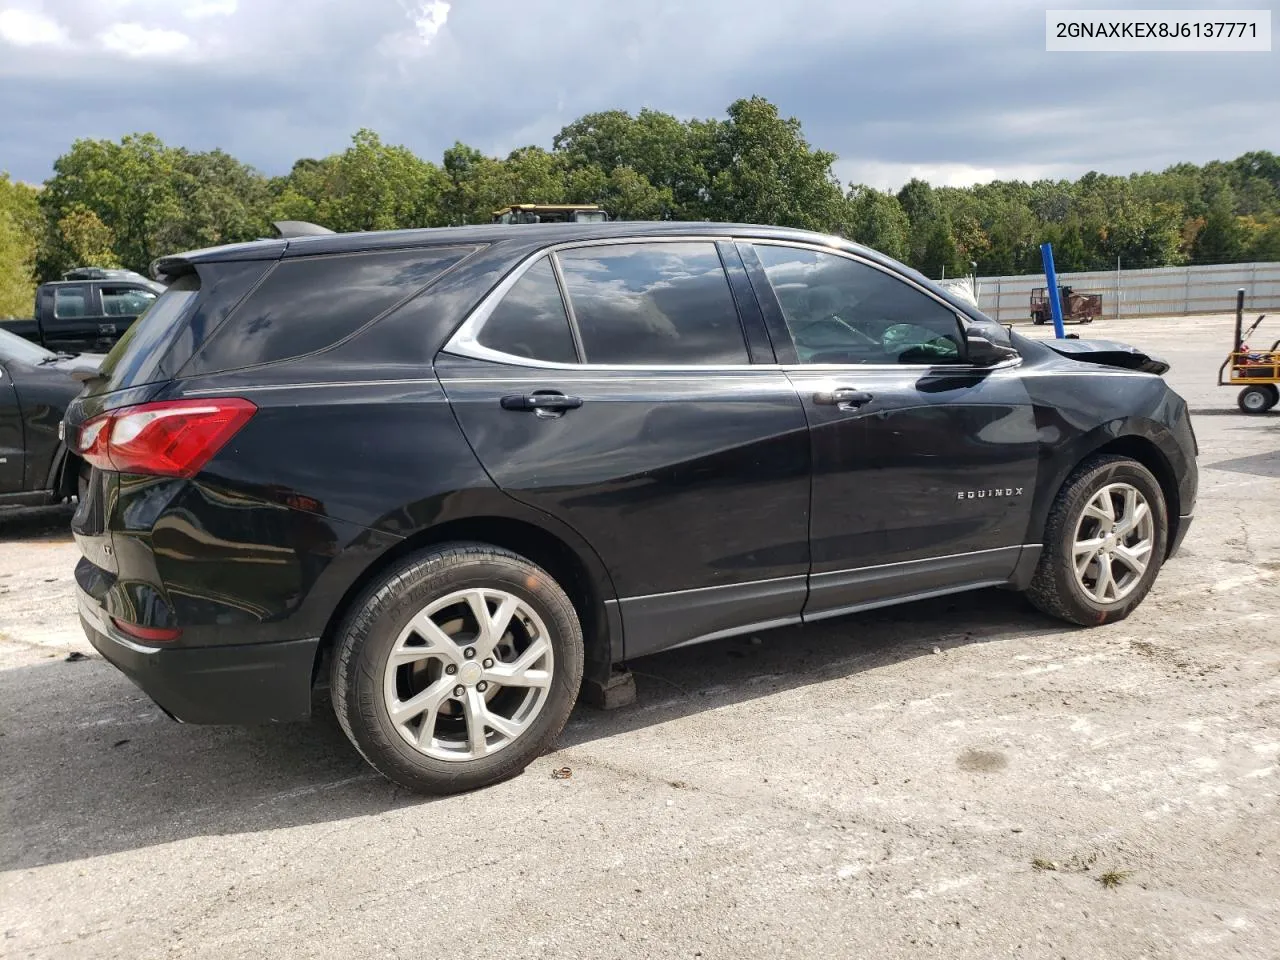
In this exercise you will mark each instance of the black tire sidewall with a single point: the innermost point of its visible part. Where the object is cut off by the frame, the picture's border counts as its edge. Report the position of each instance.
(1269, 398)
(388, 608)
(1071, 601)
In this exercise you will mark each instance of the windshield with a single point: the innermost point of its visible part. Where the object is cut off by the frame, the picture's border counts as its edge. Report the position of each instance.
(134, 350)
(17, 349)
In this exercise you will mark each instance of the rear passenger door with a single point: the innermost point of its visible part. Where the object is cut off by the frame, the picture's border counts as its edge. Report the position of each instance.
(612, 386)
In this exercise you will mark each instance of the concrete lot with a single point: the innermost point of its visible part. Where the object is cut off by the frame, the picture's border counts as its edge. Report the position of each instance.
(953, 779)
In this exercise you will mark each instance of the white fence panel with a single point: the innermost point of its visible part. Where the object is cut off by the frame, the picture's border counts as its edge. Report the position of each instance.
(1158, 292)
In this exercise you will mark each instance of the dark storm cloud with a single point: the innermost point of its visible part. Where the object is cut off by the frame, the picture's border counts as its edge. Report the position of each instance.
(953, 92)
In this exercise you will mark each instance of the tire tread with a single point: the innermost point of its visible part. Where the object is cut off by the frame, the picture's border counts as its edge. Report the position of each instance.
(437, 566)
(1048, 591)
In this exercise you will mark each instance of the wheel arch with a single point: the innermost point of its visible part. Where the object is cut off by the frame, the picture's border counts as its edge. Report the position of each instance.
(1139, 446)
(578, 570)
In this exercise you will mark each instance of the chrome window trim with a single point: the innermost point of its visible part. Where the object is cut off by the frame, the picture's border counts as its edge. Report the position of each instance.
(465, 342)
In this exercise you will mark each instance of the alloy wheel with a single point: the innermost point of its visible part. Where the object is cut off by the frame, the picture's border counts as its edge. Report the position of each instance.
(469, 674)
(1113, 542)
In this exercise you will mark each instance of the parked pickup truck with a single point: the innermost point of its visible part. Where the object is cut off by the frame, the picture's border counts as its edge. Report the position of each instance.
(87, 313)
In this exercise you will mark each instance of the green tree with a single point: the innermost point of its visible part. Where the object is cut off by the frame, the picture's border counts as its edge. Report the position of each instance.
(673, 156)
(129, 186)
(1222, 238)
(768, 173)
(373, 186)
(19, 236)
(628, 195)
(150, 199)
(877, 220)
(86, 239)
(923, 212)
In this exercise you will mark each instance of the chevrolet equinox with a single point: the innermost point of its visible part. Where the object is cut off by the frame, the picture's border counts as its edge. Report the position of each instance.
(466, 473)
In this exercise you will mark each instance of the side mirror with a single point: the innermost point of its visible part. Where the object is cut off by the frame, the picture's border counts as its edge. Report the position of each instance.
(983, 352)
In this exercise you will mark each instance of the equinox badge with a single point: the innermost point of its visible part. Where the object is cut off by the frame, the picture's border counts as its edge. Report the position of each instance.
(983, 494)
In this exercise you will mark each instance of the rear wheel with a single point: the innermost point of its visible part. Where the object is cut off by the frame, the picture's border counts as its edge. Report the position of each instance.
(457, 668)
(1104, 543)
(1258, 398)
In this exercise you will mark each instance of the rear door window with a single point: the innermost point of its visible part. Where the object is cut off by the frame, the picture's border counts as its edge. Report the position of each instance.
(125, 301)
(311, 303)
(659, 304)
(531, 321)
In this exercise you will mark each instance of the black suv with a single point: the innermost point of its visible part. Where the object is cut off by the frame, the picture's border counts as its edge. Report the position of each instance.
(464, 473)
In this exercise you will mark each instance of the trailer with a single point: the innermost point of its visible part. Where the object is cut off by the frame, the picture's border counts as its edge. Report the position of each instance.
(1077, 307)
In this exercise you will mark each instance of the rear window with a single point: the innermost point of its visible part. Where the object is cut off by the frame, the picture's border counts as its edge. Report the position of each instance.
(125, 301)
(136, 351)
(308, 304)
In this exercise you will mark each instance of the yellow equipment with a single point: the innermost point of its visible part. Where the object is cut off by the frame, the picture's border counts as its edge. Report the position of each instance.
(1257, 370)
(551, 213)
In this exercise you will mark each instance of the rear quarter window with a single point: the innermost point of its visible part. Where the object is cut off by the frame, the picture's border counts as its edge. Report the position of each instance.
(309, 304)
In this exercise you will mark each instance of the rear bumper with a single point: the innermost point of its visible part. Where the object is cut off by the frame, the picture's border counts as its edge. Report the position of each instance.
(235, 684)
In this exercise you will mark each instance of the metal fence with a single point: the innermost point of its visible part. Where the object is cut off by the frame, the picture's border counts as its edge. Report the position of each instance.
(1158, 292)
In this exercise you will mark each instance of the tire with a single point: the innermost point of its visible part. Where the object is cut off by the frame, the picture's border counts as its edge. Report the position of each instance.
(1258, 398)
(392, 616)
(1056, 588)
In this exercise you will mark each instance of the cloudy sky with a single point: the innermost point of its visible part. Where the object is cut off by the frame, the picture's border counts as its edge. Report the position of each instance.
(957, 91)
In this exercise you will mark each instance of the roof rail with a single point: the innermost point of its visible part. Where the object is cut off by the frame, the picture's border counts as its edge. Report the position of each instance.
(288, 229)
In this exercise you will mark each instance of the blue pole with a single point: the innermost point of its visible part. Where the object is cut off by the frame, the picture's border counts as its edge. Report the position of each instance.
(1051, 278)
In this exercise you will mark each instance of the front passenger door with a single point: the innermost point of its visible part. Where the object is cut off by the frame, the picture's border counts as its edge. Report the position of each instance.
(924, 465)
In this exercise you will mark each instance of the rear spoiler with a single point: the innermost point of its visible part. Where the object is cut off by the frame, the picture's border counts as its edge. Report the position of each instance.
(167, 269)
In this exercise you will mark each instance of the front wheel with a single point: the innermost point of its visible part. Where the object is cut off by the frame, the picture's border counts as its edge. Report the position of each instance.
(1258, 398)
(1104, 543)
(457, 668)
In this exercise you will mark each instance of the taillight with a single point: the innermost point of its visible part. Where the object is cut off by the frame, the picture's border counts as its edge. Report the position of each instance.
(171, 438)
(147, 634)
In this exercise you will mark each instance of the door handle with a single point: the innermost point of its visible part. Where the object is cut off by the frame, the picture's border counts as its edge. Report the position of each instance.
(843, 398)
(543, 403)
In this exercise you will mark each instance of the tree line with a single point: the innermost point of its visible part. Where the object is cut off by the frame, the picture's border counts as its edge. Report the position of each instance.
(125, 203)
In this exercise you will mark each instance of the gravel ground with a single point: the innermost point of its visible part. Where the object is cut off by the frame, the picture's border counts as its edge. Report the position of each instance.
(960, 778)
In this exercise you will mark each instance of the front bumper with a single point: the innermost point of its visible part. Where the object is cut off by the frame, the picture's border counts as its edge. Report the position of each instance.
(235, 684)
